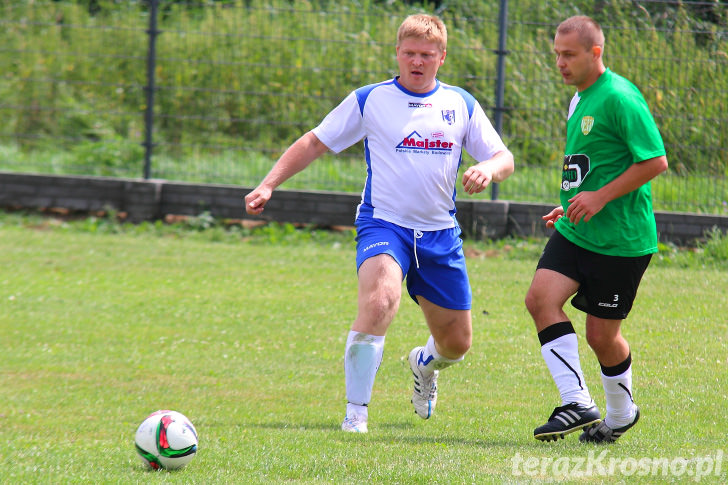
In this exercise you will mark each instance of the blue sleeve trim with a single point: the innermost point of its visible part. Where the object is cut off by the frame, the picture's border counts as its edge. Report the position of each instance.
(363, 93)
(467, 97)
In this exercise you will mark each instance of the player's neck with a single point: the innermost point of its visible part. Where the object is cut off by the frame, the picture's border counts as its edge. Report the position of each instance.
(592, 78)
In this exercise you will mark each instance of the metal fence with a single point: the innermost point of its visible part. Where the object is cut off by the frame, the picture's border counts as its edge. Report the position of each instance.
(214, 91)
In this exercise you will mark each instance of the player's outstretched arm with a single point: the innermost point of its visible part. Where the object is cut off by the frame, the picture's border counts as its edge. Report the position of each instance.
(296, 158)
(495, 169)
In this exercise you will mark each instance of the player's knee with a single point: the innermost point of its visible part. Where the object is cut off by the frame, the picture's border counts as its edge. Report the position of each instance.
(382, 305)
(534, 304)
(462, 346)
(465, 348)
(455, 346)
(598, 341)
(529, 302)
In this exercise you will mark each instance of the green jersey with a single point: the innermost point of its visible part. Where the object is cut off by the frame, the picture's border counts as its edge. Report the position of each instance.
(609, 128)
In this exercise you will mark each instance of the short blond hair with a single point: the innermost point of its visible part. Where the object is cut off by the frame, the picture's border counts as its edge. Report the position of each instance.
(589, 31)
(423, 26)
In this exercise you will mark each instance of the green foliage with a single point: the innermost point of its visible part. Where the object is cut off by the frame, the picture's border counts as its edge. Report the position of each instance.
(113, 156)
(710, 251)
(238, 81)
(715, 246)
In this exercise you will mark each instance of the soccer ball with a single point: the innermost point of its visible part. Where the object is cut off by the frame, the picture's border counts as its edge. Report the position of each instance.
(166, 439)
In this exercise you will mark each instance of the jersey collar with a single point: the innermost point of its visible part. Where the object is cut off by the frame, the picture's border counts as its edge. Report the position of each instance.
(412, 93)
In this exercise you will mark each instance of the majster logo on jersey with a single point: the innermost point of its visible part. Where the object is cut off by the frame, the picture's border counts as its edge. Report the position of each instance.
(415, 143)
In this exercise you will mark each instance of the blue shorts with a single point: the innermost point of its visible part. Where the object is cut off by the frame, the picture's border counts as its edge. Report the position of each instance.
(433, 262)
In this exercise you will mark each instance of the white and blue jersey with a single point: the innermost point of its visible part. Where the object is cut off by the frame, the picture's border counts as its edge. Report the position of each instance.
(413, 147)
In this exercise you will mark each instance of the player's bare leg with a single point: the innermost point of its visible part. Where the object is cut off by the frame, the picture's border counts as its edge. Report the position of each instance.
(380, 289)
(450, 338)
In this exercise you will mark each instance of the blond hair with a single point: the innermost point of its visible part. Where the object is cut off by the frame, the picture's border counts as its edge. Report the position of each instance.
(423, 26)
(589, 31)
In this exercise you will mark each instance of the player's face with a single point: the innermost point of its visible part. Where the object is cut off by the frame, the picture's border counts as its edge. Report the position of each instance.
(578, 65)
(418, 62)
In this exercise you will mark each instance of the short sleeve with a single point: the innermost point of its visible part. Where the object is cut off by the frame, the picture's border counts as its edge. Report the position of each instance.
(343, 126)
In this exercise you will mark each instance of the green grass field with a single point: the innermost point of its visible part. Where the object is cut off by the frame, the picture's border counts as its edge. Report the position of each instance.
(101, 324)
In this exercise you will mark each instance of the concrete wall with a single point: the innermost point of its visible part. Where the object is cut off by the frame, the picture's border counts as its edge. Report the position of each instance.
(141, 200)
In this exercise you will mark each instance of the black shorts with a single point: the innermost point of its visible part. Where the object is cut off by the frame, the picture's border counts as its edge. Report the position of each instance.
(607, 284)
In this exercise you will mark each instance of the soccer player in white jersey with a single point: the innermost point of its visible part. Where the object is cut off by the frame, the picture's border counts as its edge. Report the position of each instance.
(414, 129)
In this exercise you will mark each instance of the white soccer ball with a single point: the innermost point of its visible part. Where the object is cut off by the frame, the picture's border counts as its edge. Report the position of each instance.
(166, 439)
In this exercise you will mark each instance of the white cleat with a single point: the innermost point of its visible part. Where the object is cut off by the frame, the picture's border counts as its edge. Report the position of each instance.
(355, 424)
(424, 397)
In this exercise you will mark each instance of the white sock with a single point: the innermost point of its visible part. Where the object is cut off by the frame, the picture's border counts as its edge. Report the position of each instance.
(430, 360)
(618, 393)
(357, 409)
(562, 359)
(361, 361)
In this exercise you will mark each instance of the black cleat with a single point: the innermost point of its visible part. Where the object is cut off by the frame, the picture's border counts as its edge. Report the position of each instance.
(601, 433)
(567, 419)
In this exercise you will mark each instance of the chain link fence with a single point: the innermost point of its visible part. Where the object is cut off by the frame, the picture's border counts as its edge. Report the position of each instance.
(214, 91)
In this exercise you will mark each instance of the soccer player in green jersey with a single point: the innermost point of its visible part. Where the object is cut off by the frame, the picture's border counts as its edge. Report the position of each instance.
(604, 239)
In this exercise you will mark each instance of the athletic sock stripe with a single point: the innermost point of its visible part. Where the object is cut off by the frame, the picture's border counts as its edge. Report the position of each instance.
(578, 379)
(626, 390)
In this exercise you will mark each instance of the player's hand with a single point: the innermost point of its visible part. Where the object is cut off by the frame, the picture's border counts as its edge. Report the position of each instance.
(584, 205)
(553, 216)
(477, 178)
(255, 201)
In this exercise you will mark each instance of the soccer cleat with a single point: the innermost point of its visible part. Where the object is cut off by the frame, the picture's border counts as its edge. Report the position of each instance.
(355, 424)
(567, 419)
(601, 433)
(424, 397)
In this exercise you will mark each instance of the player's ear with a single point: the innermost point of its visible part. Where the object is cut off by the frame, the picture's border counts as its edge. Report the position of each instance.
(442, 59)
(597, 51)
